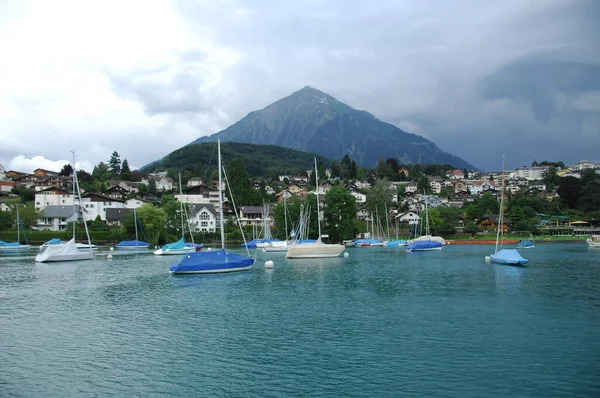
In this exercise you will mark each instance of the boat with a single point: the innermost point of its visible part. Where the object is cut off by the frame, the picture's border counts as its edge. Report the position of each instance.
(214, 261)
(181, 246)
(318, 249)
(68, 251)
(133, 244)
(525, 244)
(425, 242)
(593, 241)
(504, 256)
(80, 246)
(16, 247)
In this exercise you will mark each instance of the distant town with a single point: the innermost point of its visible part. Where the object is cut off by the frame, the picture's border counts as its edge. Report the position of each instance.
(547, 198)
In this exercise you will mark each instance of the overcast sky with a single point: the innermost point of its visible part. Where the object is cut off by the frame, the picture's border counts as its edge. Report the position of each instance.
(143, 78)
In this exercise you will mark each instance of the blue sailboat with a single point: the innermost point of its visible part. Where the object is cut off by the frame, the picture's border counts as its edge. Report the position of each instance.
(134, 244)
(14, 247)
(215, 261)
(424, 243)
(504, 256)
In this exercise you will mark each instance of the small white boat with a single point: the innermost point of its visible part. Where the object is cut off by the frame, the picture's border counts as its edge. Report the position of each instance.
(594, 241)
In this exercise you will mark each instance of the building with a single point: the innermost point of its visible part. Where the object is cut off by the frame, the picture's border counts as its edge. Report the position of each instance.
(204, 218)
(53, 197)
(55, 218)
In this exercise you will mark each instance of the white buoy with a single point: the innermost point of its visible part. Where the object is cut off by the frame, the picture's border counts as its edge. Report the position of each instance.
(209, 249)
(346, 254)
(111, 249)
(109, 256)
(488, 259)
(269, 264)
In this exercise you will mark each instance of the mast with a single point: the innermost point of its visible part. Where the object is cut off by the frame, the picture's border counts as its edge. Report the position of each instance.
(500, 232)
(318, 207)
(221, 196)
(135, 222)
(87, 232)
(18, 225)
(285, 217)
(73, 182)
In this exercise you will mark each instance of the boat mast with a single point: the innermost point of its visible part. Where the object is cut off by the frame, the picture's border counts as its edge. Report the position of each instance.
(318, 207)
(135, 222)
(285, 217)
(73, 182)
(221, 196)
(87, 232)
(18, 225)
(500, 232)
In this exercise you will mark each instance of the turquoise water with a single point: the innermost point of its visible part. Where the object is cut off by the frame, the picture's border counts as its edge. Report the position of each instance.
(381, 322)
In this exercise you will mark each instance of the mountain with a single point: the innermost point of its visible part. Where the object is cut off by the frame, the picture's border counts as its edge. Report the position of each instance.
(260, 160)
(313, 121)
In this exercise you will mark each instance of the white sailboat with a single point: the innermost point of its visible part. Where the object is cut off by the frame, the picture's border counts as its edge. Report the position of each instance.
(133, 244)
(15, 247)
(68, 251)
(425, 242)
(317, 249)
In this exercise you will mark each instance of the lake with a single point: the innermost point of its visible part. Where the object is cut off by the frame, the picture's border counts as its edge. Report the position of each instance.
(379, 323)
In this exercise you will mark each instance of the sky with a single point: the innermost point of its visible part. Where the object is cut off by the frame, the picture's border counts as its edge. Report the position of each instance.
(481, 79)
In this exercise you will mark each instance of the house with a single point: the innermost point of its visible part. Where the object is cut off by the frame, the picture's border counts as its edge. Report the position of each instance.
(53, 196)
(411, 188)
(351, 187)
(251, 215)
(324, 187)
(459, 186)
(269, 190)
(403, 172)
(6, 186)
(199, 194)
(360, 197)
(26, 180)
(491, 223)
(204, 218)
(43, 173)
(94, 205)
(163, 183)
(479, 186)
(284, 196)
(2, 173)
(455, 174)
(361, 213)
(114, 216)
(117, 192)
(128, 186)
(55, 218)
(194, 182)
(409, 217)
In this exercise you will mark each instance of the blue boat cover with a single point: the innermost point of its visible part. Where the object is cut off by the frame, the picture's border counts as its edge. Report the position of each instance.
(367, 241)
(211, 261)
(53, 241)
(252, 244)
(2, 242)
(132, 243)
(180, 244)
(423, 245)
(10, 244)
(525, 243)
(396, 243)
(508, 257)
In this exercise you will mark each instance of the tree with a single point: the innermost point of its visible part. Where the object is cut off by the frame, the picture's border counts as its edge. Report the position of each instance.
(379, 199)
(125, 171)
(384, 169)
(66, 171)
(569, 191)
(114, 164)
(153, 219)
(242, 191)
(340, 214)
(152, 186)
(142, 189)
(360, 174)
(28, 215)
(100, 171)
(550, 178)
(6, 221)
(590, 195)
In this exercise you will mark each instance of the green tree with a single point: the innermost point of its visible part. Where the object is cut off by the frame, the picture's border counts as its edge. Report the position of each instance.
(242, 191)
(28, 214)
(125, 171)
(383, 169)
(66, 171)
(153, 219)
(569, 191)
(340, 214)
(114, 164)
(590, 195)
(142, 189)
(100, 171)
(152, 186)
(360, 174)
(379, 198)
(6, 221)
(550, 178)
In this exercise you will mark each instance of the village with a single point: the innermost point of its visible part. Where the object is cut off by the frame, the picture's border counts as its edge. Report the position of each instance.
(54, 200)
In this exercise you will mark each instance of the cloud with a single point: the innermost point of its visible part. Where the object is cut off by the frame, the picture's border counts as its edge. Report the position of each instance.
(480, 79)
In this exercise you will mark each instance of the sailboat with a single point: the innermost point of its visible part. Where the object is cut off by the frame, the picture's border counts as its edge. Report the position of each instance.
(68, 251)
(504, 256)
(133, 244)
(317, 249)
(426, 242)
(181, 246)
(277, 245)
(14, 247)
(215, 261)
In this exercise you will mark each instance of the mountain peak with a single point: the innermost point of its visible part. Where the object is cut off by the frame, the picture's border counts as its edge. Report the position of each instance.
(314, 121)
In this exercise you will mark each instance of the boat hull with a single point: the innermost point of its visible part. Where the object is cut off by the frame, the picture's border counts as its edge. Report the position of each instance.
(14, 249)
(63, 252)
(212, 262)
(314, 250)
(174, 252)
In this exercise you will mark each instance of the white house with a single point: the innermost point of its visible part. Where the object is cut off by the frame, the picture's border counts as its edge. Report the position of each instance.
(55, 218)
(360, 197)
(204, 218)
(199, 195)
(53, 197)
(163, 183)
(94, 205)
(410, 217)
